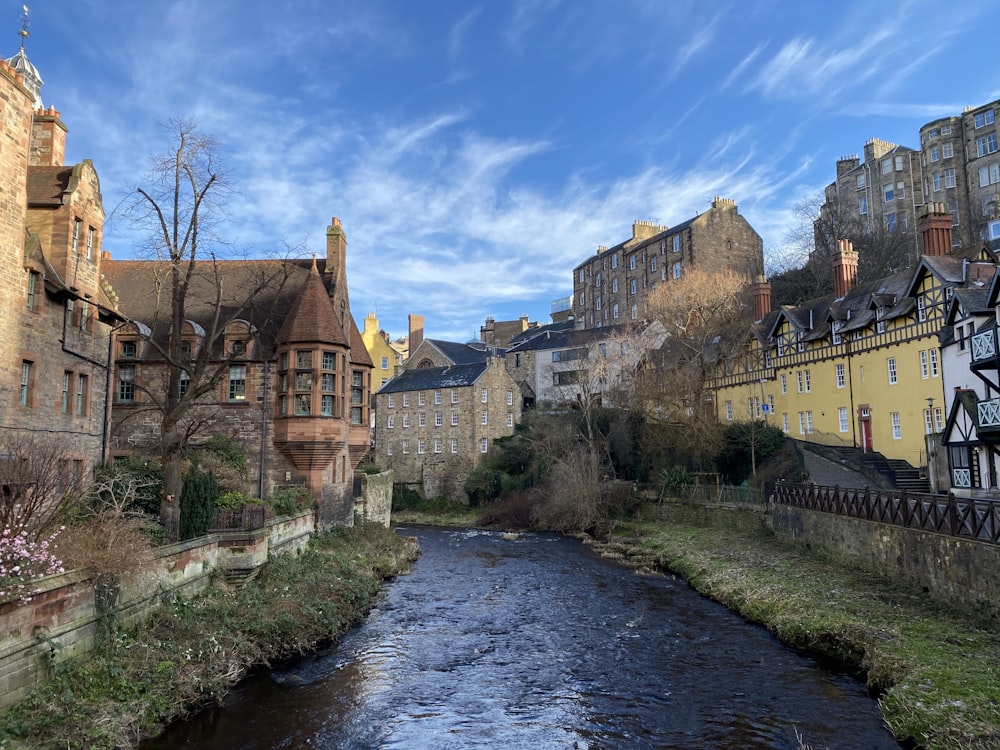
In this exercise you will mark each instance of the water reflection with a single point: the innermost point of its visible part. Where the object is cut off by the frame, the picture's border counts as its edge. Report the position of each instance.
(538, 643)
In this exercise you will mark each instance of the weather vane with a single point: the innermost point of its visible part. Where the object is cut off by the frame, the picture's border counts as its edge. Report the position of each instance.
(25, 20)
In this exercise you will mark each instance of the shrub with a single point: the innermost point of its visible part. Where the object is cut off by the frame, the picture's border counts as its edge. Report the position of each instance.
(198, 495)
(22, 560)
(288, 500)
(223, 458)
(232, 500)
(405, 498)
(369, 468)
(484, 484)
(512, 511)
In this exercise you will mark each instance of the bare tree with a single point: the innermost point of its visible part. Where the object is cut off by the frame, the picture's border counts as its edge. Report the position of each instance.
(180, 208)
(37, 479)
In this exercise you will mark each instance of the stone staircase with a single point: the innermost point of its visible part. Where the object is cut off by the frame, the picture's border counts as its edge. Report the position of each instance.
(897, 473)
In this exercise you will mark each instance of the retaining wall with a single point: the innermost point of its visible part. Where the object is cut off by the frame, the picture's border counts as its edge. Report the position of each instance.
(950, 568)
(63, 619)
(375, 502)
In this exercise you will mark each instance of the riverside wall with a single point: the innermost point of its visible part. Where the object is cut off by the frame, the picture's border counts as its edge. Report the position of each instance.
(950, 568)
(65, 618)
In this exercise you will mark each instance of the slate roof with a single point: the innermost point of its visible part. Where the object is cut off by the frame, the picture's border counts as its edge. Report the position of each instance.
(428, 378)
(632, 242)
(565, 339)
(46, 185)
(312, 317)
(464, 354)
(565, 325)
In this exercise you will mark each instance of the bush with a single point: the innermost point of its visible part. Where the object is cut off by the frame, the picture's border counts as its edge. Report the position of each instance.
(512, 511)
(286, 501)
(369, 468)
(406, 498)
(198, 496)
(484, 484)
(223, 458)
(232, 500)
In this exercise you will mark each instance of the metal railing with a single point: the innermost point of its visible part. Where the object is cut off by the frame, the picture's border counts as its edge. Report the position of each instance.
(968, 518)
(725, 494)
(247, 518)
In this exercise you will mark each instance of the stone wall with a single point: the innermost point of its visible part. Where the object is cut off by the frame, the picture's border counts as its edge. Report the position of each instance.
(950, 568)
(65, 611)
(375, 502)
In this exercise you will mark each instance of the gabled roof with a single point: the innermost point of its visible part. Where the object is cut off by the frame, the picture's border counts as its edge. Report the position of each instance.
(565, 325)
(46, 185)
(312, 318)
(427, 378)
(462, 354)
(565, 339)
(971, 301)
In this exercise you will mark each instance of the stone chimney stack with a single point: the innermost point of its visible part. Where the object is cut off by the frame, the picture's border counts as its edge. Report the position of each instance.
(935, 229)
(48, 139)
(336, 269)
(416, 325)
(761, 291)
(845, 268)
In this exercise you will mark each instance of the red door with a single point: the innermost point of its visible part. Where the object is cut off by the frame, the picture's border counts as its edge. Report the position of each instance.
(865, 420)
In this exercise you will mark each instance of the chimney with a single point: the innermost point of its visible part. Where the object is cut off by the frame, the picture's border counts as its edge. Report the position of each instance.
(845, 268)
(761, 291)
(935, 229)
(336, 267)
(48, 139)
(416, 323)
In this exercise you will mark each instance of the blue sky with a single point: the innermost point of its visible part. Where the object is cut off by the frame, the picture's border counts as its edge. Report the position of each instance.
(476, 152)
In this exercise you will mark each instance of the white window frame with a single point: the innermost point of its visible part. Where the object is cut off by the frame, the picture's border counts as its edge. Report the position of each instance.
(842, 421)
(891, 371)
(840, 375)
(897, 425)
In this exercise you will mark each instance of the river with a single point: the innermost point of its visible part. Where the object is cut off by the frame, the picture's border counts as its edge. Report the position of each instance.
(539, 643)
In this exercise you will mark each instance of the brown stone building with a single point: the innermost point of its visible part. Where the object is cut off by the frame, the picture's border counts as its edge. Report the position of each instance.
(56, 312)
(437, 423)
(609, 287)
(289, 375)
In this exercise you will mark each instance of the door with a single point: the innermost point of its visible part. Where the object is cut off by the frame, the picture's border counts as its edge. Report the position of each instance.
(865, 424)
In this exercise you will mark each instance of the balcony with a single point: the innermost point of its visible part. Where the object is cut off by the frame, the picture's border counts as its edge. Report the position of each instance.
(984, 348)
(988, 415)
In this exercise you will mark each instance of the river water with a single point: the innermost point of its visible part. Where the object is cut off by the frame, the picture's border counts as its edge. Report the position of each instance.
(538, 643)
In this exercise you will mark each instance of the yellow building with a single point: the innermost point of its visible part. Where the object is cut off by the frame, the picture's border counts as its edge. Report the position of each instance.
(384, 356)
(861, 367)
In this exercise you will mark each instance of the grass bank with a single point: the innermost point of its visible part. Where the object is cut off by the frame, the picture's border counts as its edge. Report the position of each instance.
(192, 651)
(936, 670)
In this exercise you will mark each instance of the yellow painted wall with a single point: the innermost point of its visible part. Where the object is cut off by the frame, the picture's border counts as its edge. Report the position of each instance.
(384, 357)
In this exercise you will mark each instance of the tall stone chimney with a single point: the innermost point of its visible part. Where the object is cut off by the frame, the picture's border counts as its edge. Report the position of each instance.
(416, 332)
(935, 229)
(761, 291)
(845, 268)
(48, 139)
(336, 269)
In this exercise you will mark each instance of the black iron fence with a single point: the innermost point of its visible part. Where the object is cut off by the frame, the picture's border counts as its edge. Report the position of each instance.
(247, 518)
(970, 518)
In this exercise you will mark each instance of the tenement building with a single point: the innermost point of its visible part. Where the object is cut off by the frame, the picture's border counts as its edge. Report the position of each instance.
(56, 312)
(278, 363)
(610, 286)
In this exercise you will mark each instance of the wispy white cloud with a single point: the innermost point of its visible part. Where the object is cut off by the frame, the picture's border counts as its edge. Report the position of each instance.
(745, 63)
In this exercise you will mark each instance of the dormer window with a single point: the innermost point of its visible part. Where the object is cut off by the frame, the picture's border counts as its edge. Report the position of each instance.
(835, 336)
(128, 350)
(880, 324)
(238, 348)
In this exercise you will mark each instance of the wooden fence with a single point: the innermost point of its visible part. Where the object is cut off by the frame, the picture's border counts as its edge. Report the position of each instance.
(969, 518)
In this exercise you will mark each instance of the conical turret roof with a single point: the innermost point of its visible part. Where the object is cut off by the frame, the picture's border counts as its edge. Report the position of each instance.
(312, 319)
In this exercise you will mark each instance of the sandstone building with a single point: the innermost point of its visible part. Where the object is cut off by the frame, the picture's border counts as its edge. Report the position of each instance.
(610, 286)
(57, 312)
(293, 376)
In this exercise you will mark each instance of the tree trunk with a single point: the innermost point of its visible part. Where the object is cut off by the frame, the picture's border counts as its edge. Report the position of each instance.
(171, 454)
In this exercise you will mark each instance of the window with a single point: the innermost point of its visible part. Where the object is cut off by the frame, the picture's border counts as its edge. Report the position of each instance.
(484, 445)
(729, 411)
(385, 363)
(809, 422)
(510, 419)
(70, 309)
(356, 415)
(510, 398)
(924, 367)
(485, 418)
(420, 398)
(454, 445)
(388, 448)
(614, 260)
(890, 194)
(32, 289)
(633, 286)
(897, 430)
(784, 384)
(517, 360)
(948, 150)
(406, 446)
(454, 419)
(989, 175)
(81, 394)
(67, 377)
(329, 361)
(437, 445)
(983, 118)
(84, 321)
(126, 384)
(304, 361)
(391, 400)
(808, 381)
(934, 362)
(76, 235)
(326, 406)
(891, 363)
(835, 337)
(597, 280)
(986, 144)
(842, 418)
(303, 404)
(861, 181)
(933, 133)
(936, 181)
(921, 309)
(283, 405)
(928, 422)
(420, 447)
(390, 422)
(677, 270)
(935, 153)
(863, 204)
(454, 396)
(614, 311)
(890, 223)
(938, 419)
(784, 423)
(635, 312)
(949, 178)
(438, 419)
(899, 163)
(406, 421)
(952, 207)
(802, 423)
(580, 276)
(631, 262)
(677, 243)
(483, 395)
(652, 264)
(886, 166)
(421, 420)
(841, 380)
(597, 302)
(406, 399)
(987, 202)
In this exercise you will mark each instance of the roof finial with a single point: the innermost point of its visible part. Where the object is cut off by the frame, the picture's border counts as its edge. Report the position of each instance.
(25, 20)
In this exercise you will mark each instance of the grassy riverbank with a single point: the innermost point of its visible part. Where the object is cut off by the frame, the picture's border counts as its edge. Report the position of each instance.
(937, 670)
(191, 652)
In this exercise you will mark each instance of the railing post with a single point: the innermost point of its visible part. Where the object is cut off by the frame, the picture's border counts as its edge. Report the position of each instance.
(905, 508)
(952, 515)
